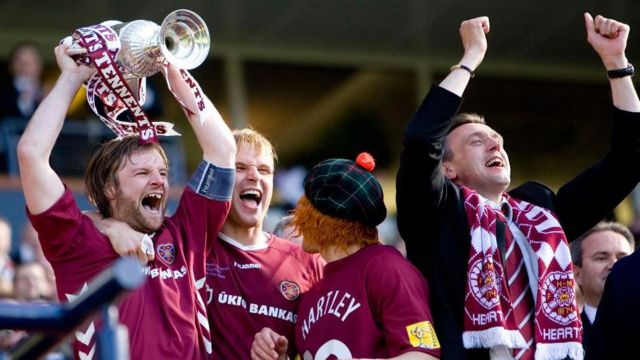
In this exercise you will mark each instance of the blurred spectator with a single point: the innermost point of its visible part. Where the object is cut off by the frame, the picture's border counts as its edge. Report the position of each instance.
(593, 255)
(389, 235)
(289, 185)
(7, 271)
(32, 283)
(22, 92)
(285, 229)
(30, 251)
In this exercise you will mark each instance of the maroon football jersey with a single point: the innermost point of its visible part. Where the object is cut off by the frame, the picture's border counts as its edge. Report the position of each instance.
(162, 316)
(370, 304)
(252, 287)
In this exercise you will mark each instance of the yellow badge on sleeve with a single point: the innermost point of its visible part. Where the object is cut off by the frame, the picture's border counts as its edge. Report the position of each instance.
(422, 335)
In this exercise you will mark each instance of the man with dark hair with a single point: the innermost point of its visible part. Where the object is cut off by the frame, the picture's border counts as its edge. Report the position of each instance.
(371, 303)
(612, 335)
(498, 263)
(593, 255)
(127, 181)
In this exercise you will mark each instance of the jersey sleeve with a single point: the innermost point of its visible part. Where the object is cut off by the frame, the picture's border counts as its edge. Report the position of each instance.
(398, 295)
(72, 244)
(204, 206)
(58, 228)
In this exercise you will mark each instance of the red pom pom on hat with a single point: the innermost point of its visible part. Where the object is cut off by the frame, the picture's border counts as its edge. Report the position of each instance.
(366, 161)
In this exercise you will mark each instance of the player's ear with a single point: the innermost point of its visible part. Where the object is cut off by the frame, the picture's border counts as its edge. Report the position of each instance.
(110, 190)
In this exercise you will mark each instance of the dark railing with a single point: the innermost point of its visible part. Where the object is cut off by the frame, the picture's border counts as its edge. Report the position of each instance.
(49, 323)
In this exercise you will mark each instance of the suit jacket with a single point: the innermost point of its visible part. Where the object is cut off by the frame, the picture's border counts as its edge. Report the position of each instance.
(9, 101)
(432, 220)
(613, 335)
(587, 327)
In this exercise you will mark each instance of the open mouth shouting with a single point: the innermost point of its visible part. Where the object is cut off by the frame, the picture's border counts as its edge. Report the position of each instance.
(251, 198)
(153, 202)
(495, 162)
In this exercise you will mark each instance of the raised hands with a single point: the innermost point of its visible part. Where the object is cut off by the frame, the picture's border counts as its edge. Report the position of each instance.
(608, 38)
(474, 40)
(68, 65)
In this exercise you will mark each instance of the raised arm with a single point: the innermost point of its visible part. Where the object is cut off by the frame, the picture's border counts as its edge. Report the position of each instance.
(421, 182)
(581, 203)
(41, 185)
(212, 132)
(421, 159)
(608, 38)
(473, 33)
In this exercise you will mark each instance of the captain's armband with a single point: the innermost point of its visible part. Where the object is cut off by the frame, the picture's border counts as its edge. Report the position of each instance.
(213, 182)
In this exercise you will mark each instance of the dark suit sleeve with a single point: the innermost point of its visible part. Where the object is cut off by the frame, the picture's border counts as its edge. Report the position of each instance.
(421, 185)
(594, 193)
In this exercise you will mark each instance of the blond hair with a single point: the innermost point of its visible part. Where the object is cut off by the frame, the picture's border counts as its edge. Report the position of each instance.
(251, 137)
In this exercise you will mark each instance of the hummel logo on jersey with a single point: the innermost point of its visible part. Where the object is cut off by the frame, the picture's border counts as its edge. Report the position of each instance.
(247, 266)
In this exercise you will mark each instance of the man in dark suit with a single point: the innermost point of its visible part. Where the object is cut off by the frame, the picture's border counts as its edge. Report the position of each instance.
(451, 194)
(612, 335)
(593, 255)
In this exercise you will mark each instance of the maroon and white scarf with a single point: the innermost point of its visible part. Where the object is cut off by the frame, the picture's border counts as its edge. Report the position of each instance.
(489, 320)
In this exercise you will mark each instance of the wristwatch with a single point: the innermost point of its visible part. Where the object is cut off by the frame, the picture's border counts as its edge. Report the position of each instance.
(618, 73)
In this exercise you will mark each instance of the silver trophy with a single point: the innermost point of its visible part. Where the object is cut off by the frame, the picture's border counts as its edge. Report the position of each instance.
(182, 39)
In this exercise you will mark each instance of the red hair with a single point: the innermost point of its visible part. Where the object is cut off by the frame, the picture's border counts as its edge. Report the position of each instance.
(322, 231)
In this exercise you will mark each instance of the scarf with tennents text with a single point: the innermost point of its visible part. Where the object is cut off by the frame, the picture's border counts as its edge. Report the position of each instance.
(489, 319)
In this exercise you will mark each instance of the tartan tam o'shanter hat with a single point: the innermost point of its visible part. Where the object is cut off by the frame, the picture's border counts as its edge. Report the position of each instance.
(345, 189)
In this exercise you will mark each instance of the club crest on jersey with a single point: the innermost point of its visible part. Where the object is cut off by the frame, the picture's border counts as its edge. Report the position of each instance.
(557, 290)
(289, 290)
(167, 253)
